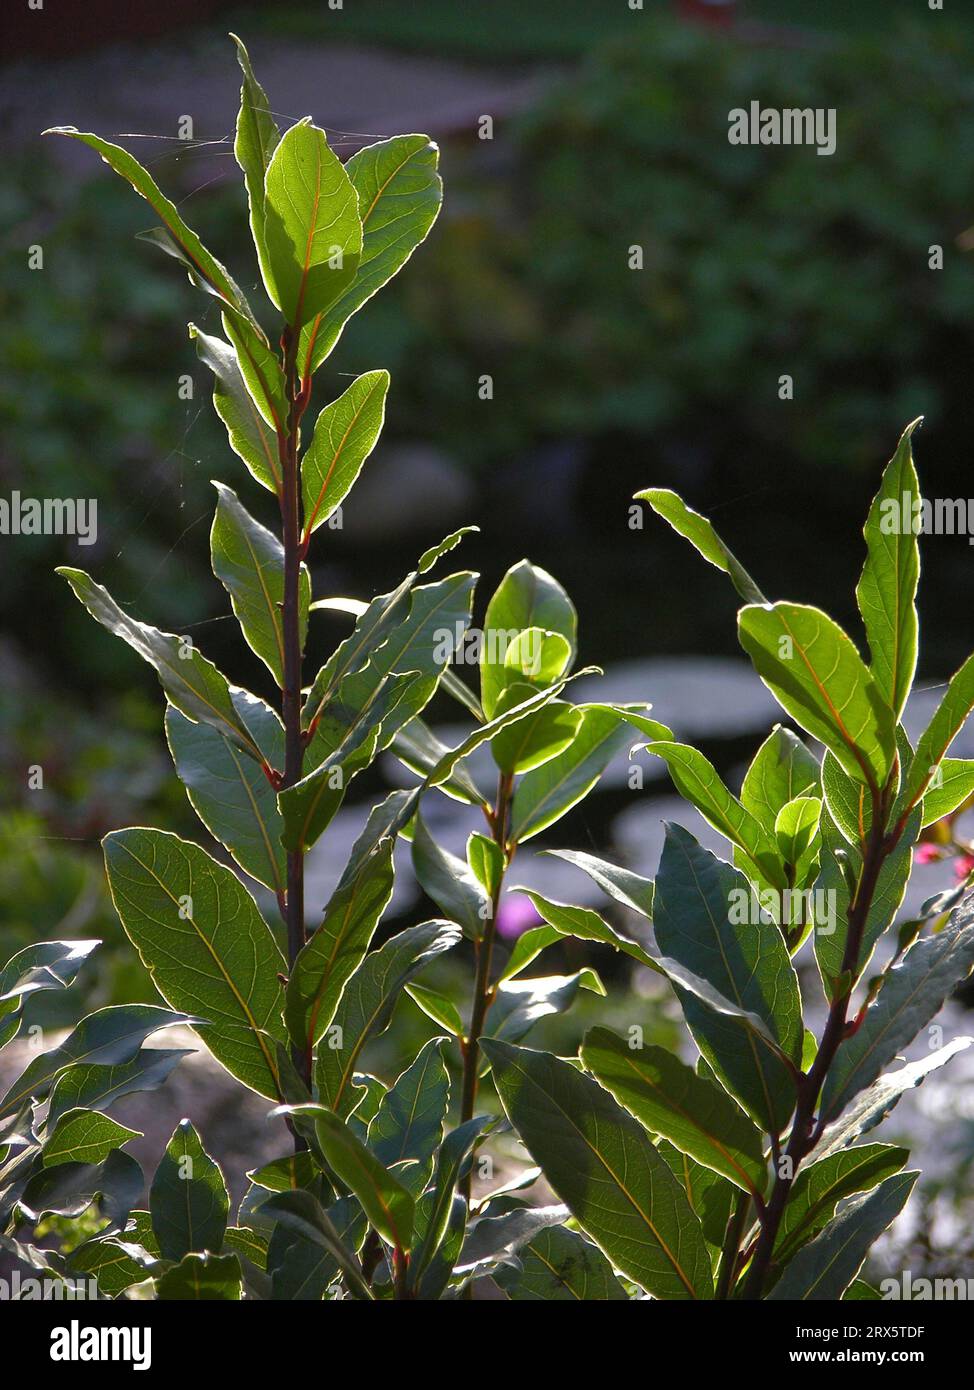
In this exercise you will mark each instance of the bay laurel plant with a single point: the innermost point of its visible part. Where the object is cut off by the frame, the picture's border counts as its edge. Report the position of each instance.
(747, 1174)
(373, 1199)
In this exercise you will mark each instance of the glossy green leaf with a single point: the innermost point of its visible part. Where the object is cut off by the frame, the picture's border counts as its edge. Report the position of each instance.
(533, 742)
(437, 1007)
(231, 794)
(604, 1168)
(888, 586)
(796, 831)
(825, 1267)
(68, 1189)
(205, 944)
(408, 1126)
(438, 1222)
(40, 966)
(345, 434)
(493, 1242)
(711, 1196)
(487, 863)
(252, 437)
(203, 1278)
(367, 1004)
(819, 1187)
(519, 1004)
(527, 597)
(782, 769)
(913, 992)
(205, 269)
(85, 1136)
(248, 560)
(874, 1104)
(188, 1198)
(256, 139)
(361, 719)
(312, 236)
(947, 722)
(699, 904)
(115, 1264)
(450, 882)
(387, 1204)
(550, 791)
(399, 196)
(337, 948)
(192, 683)
(587, 925)
(419, 749)
(95, 1086)
(817, 676)
(303, 1214)
(108, 1037)
(950, 790)
(558, 1265)
(832, 896)
(702, 536)
(630, 889)
(698, 781)
(669, 1099)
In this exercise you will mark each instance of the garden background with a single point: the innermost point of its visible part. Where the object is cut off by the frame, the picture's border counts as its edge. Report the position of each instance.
(609, 130)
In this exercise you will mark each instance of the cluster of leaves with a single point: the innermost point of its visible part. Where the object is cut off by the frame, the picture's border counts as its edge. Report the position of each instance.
(374, 1202)
(718, 1180)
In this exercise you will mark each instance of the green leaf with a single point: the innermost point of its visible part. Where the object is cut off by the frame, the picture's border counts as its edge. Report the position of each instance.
(436, 1221)
(550, 791)
(303, 1215)
(519, 1004)
(697, 780)
(285, 1174)
(385, 1201)
(252, 438)
(815, 673)
(887, 589)
(94, 1086)
(796, 831)
(399, 196)
(914, 990)
(832, 894)
(85, 1136)
(952, 789)
(532, 742)
(367, 1006)
(115, 1264)
(42, 965)
(257, 138)
(632, 890)
(946, 724)
(711, 1196)
(527, 597)
(205, 269)
(702, 536)
(192, 683)
(261, 370)
(669, 1099)
(819, 1187)
(205, 944)
(782, 769)
(408, 1126)
(825, 1267)
(487, 863)
(346, 741)
(587, 925)
(875, 1103)
(450, 883)
(201, 1278)
(68, 1189)
(107, 1037)
(697, 918)
(345, 434)
(231, 794)
(312, 236)
(248, 560)
(337, 948)
(437, 1007)
(604, 1168)
(558, 1265)
(188, 1198)
(493, 1242)
(418, 748)
(423, 642)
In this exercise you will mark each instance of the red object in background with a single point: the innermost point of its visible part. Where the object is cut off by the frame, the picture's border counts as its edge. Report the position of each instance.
(717, 12)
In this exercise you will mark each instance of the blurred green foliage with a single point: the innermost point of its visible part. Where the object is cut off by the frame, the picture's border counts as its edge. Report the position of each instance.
(758, 261)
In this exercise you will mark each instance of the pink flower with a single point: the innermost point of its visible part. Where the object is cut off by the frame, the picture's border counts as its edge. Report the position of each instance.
(963, 865)
(516, 915)
(927, 854)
